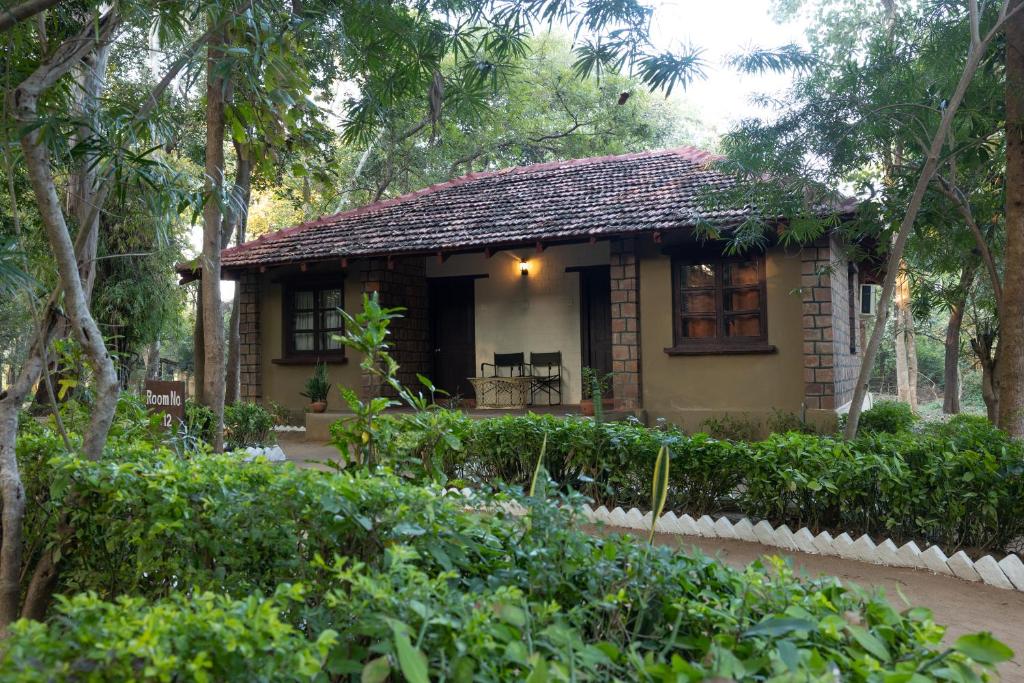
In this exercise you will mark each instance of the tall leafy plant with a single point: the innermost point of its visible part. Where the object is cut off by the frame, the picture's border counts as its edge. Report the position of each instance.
(361, 435)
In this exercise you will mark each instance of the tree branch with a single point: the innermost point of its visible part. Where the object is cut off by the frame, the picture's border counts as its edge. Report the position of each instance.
(10, 17)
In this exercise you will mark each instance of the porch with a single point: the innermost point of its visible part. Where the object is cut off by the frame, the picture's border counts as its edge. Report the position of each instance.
(568, 302)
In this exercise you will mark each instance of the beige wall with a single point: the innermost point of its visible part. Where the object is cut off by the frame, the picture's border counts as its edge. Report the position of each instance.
(282, 383)
(686, 390)
(541, 312)
(536, 313)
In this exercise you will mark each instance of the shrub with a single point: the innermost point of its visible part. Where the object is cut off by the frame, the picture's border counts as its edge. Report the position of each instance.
(782, 422)
(959, 484)
(199, 421)
(248, 424)
(186, 637)
(375, 576)
(150, 522)
(732, 428)
(887, 416)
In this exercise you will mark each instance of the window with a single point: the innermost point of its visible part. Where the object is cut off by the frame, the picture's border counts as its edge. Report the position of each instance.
(719, 305)
(311, 319)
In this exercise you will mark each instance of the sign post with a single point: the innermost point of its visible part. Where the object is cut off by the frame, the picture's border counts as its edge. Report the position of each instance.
(168, 400)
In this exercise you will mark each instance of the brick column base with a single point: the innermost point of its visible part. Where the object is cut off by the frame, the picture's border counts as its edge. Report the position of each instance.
(404, 285)
(625, 301)
(250, 347)
(819, 350)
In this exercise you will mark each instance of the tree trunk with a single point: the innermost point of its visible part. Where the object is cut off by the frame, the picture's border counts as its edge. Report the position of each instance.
(232, 382)
(153, 361)
(951, 363)
(1011, 315)
(11, 488)
(241, 194)
(67, 256)
(983, 344)
(84, 189)
(974, 55)
(213, 322)
(906, 342)
(37, 161)
(199, 348)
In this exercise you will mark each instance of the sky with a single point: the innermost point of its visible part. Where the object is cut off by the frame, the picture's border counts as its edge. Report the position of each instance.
(720, 28)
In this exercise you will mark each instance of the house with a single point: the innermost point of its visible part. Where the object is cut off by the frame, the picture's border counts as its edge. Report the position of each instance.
(593, 258)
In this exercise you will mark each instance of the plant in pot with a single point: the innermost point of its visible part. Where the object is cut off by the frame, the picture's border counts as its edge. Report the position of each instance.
(595, 386)
(317, 388)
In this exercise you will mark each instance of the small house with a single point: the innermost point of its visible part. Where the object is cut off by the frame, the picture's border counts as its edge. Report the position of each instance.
(593, 263)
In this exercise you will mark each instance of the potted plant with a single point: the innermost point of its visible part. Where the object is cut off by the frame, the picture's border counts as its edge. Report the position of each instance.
(595, 386)
(317, 388)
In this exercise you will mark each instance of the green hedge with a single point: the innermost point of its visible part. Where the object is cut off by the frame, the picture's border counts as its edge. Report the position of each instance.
(201, 637)
(366, 576)
(959, 484)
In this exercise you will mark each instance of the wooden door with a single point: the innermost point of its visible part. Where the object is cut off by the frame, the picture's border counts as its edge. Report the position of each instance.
(596, 318)
(453, 334)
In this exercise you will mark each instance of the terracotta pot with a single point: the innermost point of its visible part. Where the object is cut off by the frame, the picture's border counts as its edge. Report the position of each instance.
(318, 406)
(587, 406)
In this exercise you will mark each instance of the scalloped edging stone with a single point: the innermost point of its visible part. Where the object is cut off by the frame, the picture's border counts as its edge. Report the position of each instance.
(1007, 573)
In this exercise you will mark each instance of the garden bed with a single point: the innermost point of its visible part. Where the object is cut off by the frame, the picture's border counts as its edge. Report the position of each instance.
(958, 485)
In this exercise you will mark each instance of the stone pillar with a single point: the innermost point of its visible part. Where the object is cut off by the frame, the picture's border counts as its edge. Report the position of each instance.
(250, 343)
(404, 285)
(830, 367)
(625, 301)
(819, 349)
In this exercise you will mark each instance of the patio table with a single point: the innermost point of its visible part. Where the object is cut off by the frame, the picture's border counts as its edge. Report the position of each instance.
(502, 392)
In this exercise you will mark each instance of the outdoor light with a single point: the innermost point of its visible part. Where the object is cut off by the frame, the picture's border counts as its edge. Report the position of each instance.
(524, 268)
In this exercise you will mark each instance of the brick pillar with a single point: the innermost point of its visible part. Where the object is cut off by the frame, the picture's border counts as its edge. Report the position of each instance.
(404, 285)
(819, 349)
(625, 299)
(250, 347)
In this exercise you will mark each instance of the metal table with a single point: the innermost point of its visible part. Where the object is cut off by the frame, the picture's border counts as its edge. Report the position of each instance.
(502, 392)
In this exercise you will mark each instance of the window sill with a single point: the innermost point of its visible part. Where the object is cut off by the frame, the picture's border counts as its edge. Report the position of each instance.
(720, 349)
(309, 360)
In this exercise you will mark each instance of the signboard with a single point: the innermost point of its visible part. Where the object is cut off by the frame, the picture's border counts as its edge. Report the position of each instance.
(166, 399)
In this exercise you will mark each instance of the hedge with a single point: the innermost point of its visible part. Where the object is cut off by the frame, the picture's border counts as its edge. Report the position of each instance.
(207, 568)
(958, 485)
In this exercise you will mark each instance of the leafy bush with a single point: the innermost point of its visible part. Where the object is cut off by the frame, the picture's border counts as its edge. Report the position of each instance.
(732, 428)
(199, 421)
(248, 424)
(369, 575)
(959, 484)
(152, 522)
(891, 417)
(782, 422)
(201, 637)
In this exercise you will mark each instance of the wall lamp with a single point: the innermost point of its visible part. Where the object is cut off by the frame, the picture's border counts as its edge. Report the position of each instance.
(524, 268)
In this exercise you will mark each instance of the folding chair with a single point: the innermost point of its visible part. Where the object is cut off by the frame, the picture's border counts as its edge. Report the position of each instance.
(546, 369)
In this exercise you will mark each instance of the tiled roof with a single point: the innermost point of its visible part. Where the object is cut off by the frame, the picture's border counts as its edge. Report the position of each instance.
(550, 202)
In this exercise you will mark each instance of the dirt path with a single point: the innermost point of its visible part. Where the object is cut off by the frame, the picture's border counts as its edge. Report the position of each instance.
(963, 606)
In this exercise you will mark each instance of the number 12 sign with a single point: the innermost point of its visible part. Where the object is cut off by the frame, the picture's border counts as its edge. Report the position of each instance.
(168, 400)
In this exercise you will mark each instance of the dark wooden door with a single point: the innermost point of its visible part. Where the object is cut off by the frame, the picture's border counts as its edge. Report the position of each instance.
(452, 334)
(596, 317)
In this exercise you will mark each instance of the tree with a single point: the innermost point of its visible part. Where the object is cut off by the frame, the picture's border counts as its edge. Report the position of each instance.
(1011, 312)
(880, 109)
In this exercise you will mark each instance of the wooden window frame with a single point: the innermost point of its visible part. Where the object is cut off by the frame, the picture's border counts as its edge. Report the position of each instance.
(720, 344)
(290, 356)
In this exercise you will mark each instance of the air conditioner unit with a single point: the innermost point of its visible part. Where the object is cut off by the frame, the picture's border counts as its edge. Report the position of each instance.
(869, 295)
